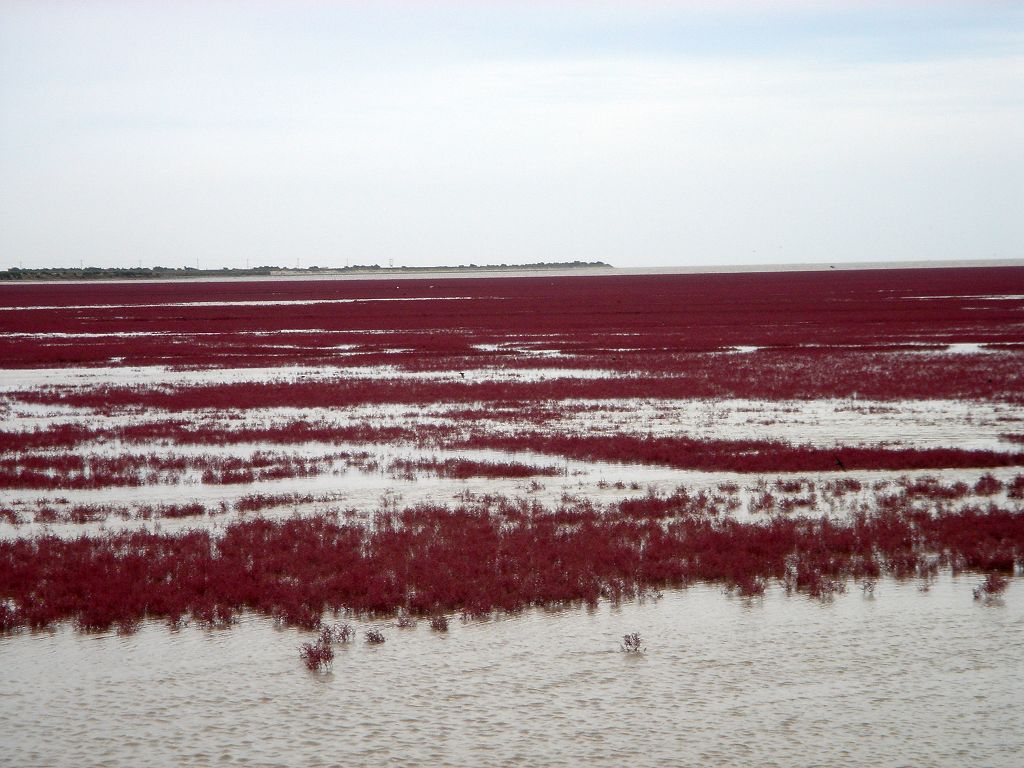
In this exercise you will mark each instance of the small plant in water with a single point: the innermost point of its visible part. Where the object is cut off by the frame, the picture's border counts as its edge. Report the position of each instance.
(868, 587)
(632, 643)
(405, 621)
(9, 618)
(374, 637)
(439, 623)
(994, 584)
(341, 633)
(318, 654)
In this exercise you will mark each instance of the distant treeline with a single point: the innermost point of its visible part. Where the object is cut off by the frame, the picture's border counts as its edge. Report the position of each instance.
(160, 273)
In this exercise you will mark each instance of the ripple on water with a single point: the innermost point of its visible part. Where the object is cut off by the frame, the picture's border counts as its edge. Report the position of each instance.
(903, 677)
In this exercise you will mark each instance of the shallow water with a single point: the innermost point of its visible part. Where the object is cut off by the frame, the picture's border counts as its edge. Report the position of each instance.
(351, 488)
(901, 678)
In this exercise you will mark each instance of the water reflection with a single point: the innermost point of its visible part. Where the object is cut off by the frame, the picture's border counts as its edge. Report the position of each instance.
(903, 677)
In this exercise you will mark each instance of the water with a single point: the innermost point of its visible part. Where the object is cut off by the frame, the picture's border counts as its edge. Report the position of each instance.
(901, 678)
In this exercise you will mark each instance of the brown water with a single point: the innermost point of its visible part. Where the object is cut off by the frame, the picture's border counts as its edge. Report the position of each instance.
(901, 678)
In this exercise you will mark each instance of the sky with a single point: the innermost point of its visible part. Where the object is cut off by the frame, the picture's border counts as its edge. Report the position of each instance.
(413, 132)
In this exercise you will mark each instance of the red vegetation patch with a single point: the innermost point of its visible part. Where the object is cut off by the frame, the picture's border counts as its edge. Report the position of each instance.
(994, 584)
(931, 488)
(196, 323)
(9, 516)
(75, 471)
(987, 485)
(1015, 488)
(318, 654)
(432, 560)
(736, 455)
(821, 335)
(465, 468)
(254, 502)
(180, 432)
(781, 374)
(40, 471)
(195, 509)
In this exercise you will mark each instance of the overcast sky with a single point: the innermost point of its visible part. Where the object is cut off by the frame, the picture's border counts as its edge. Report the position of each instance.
(638, 133)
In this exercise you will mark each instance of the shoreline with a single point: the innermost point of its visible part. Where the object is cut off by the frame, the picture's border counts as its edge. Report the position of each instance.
(402, 273)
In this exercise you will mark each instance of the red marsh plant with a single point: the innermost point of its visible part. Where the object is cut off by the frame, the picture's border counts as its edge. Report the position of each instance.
(987, 485)
(47, 515)
(73, 471)
(632, 643)
(993, 585)
(9, 516)
(341, 634)
(467, 468)
(1015, 487)
(194, 509)
(318, 654)
(928, 487)
(793, 373)
(486, 555)
(841, 486)
(9, 619)
(254, 502)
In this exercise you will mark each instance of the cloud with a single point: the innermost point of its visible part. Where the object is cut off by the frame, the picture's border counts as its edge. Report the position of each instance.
(447, 135)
